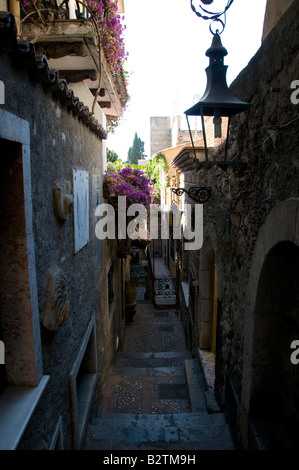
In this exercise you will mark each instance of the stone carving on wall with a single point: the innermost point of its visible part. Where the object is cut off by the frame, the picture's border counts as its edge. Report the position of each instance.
(57, 305)
(63, 200)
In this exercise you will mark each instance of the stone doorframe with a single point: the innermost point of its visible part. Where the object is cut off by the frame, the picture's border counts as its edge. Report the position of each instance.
(281, 224)
(24, 355)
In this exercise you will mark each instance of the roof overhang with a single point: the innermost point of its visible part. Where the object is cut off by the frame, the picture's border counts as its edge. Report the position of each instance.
(185, 159)
(71, 47)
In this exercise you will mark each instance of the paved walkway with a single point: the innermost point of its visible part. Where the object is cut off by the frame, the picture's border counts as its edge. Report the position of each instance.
(155, 398)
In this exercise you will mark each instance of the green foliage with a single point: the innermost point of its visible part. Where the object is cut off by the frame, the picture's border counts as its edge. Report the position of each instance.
(112, 124)
(135, 167)
(112, 156)
(152, 170)
(135, 152)
(119, 165)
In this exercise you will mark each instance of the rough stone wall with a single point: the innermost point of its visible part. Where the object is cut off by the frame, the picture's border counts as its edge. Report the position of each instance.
(242, 198)
(59, 144)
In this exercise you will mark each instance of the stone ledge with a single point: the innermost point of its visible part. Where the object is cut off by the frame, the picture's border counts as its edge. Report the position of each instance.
(165, 301)
(17, 405)
(195, 385)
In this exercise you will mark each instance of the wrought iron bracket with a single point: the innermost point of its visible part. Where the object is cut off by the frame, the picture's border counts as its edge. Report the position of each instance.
(211, 15)
(199, 194)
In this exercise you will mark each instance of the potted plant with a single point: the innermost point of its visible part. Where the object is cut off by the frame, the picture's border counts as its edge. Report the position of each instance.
(131, 293)
(131, 290)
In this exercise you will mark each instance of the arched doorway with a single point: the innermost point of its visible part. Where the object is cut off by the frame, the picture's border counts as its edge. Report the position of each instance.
(274, 407)
(274, 260)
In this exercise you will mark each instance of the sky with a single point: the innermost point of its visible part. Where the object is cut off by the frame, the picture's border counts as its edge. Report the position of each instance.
(167, 42)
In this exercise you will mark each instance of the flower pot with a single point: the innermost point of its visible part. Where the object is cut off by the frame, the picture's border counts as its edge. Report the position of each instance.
(130, 311)
(131, 293)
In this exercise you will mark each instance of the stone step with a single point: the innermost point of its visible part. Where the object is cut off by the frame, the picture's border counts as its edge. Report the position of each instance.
(159, 319)
(155, 369)
(184, 420)
(189, 370)
(163, 359)
(176, 371)
(161, 430)
(155, 355)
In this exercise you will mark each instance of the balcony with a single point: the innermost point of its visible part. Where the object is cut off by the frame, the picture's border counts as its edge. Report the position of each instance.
(70, 36)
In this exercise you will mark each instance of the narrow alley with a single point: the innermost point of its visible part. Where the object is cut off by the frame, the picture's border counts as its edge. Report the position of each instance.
(156, 397)
(149, 287)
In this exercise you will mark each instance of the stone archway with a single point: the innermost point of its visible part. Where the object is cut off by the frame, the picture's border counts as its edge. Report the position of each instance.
(269, 409)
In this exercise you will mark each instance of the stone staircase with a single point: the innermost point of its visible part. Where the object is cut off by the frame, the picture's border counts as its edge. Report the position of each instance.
(156, 398)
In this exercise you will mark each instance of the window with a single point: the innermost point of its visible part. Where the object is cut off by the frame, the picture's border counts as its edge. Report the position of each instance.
(82, 382)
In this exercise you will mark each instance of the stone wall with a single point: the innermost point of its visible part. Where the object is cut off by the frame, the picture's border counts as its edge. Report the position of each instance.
(264, 144)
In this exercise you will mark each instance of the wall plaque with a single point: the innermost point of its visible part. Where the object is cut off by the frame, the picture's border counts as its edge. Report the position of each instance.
(81, 208)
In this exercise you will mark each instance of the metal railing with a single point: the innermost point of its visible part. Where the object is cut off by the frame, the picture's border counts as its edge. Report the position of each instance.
(56, 9)
(164, 286)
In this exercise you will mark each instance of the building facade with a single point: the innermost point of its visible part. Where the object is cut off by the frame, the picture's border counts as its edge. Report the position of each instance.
(241, 312)
(62, 289)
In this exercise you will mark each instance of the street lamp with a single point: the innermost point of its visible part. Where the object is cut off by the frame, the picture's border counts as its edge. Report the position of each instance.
(218, 100)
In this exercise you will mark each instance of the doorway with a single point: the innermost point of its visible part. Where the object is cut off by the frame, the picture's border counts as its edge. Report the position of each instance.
(208, 299)
(274, 407)
(207, 315)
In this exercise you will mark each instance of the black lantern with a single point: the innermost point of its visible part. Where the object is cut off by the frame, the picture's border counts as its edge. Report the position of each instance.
(217, 100)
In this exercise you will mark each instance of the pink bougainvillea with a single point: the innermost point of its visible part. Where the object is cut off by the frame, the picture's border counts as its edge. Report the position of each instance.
(109, 21)
(131, 183)
(111, 31)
